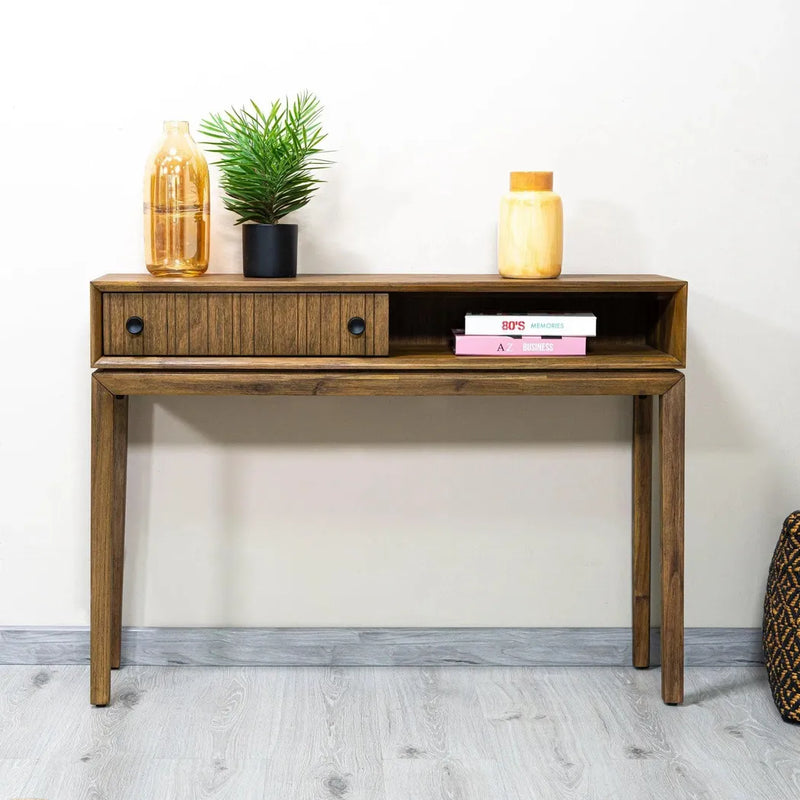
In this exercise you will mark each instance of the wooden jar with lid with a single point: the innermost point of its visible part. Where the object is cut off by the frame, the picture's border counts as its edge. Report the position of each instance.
(530, 232)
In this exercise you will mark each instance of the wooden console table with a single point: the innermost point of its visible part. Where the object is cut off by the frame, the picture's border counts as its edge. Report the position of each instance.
(384, 335)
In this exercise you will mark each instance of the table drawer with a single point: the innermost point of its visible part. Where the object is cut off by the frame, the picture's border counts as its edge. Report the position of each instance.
(245, 324)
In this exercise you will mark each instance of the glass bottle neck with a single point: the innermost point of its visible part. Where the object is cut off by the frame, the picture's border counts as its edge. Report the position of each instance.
(173, 126)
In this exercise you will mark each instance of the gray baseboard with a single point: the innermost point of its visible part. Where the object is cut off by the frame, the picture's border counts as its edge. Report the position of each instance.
(377, 646)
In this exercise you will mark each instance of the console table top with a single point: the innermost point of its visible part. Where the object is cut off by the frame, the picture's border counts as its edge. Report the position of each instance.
(389, 282)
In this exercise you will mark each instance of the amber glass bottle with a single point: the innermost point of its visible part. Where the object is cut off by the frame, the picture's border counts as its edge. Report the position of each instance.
(530, 232)
(176, 205)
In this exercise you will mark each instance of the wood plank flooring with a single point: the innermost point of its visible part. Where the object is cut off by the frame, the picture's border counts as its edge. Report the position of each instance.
(392, 733)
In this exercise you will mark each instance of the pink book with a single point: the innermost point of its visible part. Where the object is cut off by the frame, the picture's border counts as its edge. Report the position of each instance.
(519, 345)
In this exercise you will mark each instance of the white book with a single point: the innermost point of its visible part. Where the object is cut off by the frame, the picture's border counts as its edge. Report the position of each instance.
(530, 324)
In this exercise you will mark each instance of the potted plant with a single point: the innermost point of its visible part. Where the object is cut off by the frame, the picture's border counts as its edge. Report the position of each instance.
(268, 163)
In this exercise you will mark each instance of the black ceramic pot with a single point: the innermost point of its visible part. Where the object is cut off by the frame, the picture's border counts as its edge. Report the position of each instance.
(269, 251)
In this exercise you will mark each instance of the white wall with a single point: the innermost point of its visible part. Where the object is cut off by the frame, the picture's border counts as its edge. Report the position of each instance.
(673, 133)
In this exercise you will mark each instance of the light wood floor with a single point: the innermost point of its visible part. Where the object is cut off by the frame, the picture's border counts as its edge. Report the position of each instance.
(392, 733)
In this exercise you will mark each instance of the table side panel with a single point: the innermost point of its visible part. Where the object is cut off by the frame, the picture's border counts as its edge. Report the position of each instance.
(669, 332)
(95, 323)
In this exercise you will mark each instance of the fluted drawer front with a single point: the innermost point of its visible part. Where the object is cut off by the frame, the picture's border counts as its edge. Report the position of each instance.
(245, 324)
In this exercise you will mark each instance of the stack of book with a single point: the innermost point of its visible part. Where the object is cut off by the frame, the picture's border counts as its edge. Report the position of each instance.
(524, 334)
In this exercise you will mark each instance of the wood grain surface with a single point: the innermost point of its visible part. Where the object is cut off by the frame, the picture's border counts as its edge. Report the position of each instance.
(119, 489)
(641, 502)
(217, 324)
(108, 482)
(212, 335)
(705, 647)
(671, 426)
(670, 330)
(95, 324)
(129, 382)
(335, 733)
(641, 320)
(103, 515)
(602, 356)
(392, 282)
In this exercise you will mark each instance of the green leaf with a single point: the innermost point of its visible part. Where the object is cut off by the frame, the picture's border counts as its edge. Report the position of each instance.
(268, 161)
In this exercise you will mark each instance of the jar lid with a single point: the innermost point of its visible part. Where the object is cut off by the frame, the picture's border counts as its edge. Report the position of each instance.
(531, 181)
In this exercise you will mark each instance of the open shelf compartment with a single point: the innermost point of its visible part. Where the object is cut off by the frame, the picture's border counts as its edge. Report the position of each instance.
(634, 329)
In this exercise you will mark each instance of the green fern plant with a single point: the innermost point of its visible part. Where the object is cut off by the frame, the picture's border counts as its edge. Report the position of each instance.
(269, 160)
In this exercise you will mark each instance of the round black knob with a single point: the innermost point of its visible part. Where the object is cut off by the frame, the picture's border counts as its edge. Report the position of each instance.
(134, 325)
(356, 325)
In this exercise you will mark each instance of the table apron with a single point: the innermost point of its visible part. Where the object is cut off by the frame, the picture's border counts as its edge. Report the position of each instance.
(616, 382)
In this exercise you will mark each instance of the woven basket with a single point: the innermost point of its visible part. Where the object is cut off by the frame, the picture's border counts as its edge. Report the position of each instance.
(782, 621)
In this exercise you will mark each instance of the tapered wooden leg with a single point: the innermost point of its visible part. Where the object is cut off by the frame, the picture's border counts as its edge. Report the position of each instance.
(671, 420)
(642, 499)
(118, 532)
(107, 449)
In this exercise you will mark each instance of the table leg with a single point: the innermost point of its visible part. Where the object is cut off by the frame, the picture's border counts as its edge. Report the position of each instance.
(642, 499)
(109, 441)
(671, 421)
(118, 532)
